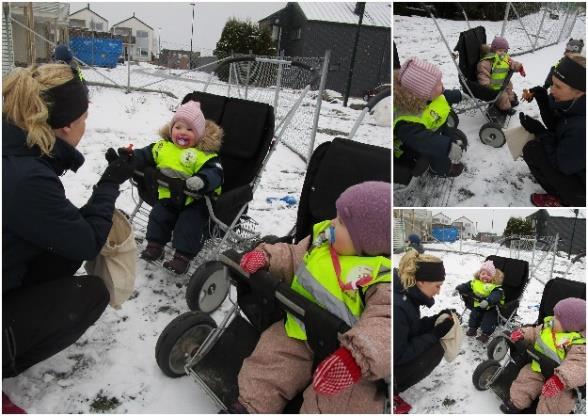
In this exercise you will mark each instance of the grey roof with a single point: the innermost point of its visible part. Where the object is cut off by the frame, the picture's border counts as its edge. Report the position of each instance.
(132, 17)
(376, 14)
(93, 12)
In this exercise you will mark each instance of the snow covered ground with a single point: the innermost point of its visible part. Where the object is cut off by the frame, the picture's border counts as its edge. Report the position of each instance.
(491, 177)
(449, 388)
(112, 367)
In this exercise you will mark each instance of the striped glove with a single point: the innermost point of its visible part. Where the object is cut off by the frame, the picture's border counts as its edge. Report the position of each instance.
(337, 372)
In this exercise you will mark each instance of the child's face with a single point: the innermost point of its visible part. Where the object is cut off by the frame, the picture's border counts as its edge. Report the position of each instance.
(342, 245)
(183, 136)
(501, 51)
(438, 90)
(485, 276)
(557, 325)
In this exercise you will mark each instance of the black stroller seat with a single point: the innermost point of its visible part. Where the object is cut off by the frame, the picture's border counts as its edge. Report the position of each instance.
(248, 134)
(516, 277)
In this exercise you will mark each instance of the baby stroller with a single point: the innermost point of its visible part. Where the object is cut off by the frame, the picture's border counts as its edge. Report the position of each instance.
(468, 48)
(500, 370)
(193, 344)
(247, 145)
(516, 278)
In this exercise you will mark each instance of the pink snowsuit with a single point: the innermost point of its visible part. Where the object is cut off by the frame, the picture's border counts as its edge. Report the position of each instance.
(281, 367)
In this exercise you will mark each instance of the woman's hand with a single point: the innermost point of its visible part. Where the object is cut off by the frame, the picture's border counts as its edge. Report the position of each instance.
(530, 124)
(443, 328)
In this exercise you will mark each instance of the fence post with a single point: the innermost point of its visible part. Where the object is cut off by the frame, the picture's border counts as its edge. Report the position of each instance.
(505, 19)
(573, 23)
(539, 30)
(278, 85)
(128, 69)
(319, 101)
(248, 75)
(563, 26)
(554, 254)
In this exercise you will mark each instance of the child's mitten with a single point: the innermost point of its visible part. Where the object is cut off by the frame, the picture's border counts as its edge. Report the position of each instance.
(337, 372)
(195, 183)
(516, 335)
(253, 261)
(484, 304)
(552, 386)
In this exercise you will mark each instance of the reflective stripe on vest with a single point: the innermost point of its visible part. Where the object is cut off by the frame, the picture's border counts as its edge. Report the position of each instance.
(556, 351)
(433, 116)
(185, 162)
(316, 280)
(483, 290)
(500, 67)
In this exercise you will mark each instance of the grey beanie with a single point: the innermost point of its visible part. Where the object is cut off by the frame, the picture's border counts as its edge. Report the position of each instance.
(365, 210)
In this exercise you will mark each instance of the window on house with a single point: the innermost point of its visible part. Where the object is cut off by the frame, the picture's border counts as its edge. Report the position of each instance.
(296, 33)
(142, 39)
(275, 32)
(99, 26)
(77, 23)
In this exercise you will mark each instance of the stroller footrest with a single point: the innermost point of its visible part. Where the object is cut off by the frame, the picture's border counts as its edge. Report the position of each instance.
(219, 368)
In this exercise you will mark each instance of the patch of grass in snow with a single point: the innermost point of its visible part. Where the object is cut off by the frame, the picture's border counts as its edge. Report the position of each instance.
(464, 194)
(448, 402)
(104, 404)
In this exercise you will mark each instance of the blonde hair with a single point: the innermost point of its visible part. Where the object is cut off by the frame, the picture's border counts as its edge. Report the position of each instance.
(406, 102)
(407, 267)
(497, 279)
(24, 103)
(211, 142)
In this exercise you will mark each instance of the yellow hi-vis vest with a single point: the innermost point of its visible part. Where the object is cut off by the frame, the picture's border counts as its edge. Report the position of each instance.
(500, 67)
(317, 281)
(186, 162)
(483, 290)
(433, 116)
(556, 351)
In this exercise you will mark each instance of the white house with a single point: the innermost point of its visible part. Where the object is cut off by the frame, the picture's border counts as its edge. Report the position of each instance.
(441, 218)
(466, 227)
(144, 46)
(88, 19)
(20, 46)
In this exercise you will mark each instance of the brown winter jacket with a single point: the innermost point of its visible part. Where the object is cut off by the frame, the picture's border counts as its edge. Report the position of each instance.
(572, 371)
(369, 341)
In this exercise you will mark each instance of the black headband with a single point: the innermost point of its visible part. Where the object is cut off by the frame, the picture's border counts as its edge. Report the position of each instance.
(430, 271)
(571, 73)
(67, 102)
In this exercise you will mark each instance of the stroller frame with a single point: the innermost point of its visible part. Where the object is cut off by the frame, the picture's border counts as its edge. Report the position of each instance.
(506, 358)
(491, 132)
(261, 297)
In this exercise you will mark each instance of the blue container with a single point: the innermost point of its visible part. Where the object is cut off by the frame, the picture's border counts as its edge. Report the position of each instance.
(445, 234)
(97, 52)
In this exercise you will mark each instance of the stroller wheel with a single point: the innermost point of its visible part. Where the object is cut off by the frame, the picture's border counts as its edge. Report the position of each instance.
(491, 134)
(452, 120)
(208, 287)
(485, 374)
(180, 340)
(497, 348)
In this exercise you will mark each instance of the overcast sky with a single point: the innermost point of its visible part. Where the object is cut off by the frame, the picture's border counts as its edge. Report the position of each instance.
(494, 220)
(175, 19)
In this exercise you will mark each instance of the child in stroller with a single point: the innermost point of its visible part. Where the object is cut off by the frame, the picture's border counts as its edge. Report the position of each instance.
(493, 69)
(421, 111)
(560, 337)
(343, 266)
(486, 288)
(187, 155)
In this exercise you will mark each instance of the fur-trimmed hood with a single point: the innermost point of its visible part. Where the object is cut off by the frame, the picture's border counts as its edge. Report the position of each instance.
(210, 143)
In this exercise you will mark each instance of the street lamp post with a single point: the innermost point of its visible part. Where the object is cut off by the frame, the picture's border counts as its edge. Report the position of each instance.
(192, 34)
(159, 46)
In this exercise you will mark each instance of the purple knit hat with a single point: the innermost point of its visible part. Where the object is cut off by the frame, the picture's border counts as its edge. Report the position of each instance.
(365, 210)
(190, 114)
(571, 313)
(419, 77)
(499, 43)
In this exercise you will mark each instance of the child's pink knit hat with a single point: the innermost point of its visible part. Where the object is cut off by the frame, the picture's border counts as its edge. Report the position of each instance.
(489, 267)
(571, 313)
(419, 77)
(190, 114)
(499, 43)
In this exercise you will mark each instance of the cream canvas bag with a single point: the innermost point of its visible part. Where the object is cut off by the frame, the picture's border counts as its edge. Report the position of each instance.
(116, 263)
